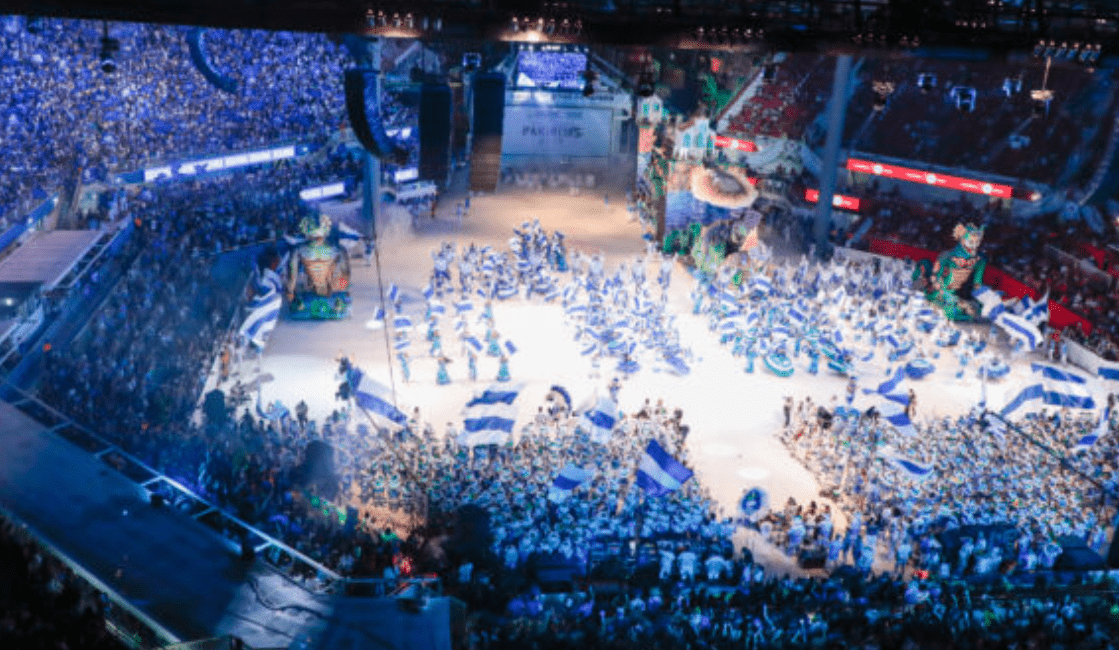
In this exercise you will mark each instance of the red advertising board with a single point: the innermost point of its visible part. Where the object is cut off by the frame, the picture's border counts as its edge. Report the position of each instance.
(734, 143)
(838, 200)
(930, 178)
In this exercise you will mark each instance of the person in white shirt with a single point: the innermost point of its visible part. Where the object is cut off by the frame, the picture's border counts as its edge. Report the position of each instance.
(667, 559)
(688, 561)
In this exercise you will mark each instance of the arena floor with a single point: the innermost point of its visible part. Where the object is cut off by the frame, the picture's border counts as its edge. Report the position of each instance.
(734, 416)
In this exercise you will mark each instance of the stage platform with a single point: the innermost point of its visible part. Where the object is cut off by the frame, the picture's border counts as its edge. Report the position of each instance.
(176, 570)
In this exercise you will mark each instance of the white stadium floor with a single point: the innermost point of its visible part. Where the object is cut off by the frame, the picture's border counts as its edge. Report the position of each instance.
(734, 417)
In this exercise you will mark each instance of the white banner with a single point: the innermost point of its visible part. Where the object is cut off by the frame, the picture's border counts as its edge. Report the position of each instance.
(1088, 360)
(556, 132)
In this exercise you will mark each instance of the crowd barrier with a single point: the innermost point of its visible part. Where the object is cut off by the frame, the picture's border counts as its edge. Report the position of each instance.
(129, 625)
(9, 236)
(1060, 316)
(1092, 362)
(238, 535)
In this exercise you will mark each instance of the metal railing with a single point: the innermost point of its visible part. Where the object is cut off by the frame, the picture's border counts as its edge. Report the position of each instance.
(297, 566)
(124, 621)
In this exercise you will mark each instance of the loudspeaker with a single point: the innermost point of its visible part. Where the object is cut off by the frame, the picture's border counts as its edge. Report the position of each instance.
(157, 501)
(435, 132)
(362, 103)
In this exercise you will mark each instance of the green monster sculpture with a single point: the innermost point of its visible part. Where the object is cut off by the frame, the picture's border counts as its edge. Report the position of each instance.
(942, 279)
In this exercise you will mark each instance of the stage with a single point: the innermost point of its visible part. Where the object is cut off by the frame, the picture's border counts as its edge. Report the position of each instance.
(735, 418)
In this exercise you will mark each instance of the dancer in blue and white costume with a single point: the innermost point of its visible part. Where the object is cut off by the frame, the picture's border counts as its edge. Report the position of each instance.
(503, 369)
(441, 376)
(405, 371)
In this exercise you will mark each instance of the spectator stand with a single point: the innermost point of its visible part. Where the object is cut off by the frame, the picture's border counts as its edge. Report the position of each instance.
(130, 626)
(238, 535)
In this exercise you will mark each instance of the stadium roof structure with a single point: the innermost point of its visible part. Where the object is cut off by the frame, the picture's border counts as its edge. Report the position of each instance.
(47, 257)
(948, 28)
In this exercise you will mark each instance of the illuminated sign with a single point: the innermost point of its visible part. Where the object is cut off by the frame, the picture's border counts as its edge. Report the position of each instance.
(736, 144)
(322, 191)
(203, 166)
(404, 175)
(930, 178)
(838, 200)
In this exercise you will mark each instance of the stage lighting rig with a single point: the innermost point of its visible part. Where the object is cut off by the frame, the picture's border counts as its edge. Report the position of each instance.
(1042, 97)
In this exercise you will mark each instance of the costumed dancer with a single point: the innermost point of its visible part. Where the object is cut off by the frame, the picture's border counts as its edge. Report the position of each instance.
(559, 252)
(750, 356)
(441, 376)
(665, 276)
(405, 370)
(487, 312)
(503, 369)
(436, 344)
(814, 363)
(472, 364)
(614, 388)
(493, 349)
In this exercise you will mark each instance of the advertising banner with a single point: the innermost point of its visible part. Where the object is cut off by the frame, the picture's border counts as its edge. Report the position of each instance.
(539, 131)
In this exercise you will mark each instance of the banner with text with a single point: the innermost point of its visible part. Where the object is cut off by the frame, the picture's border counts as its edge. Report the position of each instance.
(537, 131)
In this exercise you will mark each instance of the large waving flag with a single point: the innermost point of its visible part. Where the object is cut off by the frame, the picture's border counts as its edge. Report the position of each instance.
(1058, 387)
(489, 418)
(1017, 327)
(659, 473)
(893, 389)
(990, 301)
(268, 281)
(569, 478)
(908, 467)
(600, 419)
(262, 319)
(1035, 312)
(1087, 441)
(375, 398)
(1108, 372)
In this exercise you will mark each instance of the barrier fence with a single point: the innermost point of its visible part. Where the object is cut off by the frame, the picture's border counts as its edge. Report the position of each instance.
(238, 535)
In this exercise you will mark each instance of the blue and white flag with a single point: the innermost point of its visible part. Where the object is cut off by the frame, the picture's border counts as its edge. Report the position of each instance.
(394, 293)
(1017, 327)
(908, 467)
(473, 342)
(375, 398)
(268, 281)
(464, 306)
(760, 284)
(402, 323)
(436, 307)
(1058, 374)
(569, 478)
(489, 418)
(1108, 372)
(896, 415)
(1052, 392)
(401, 345)
(1035, 312)
(428, 292)
(262, 320)
(510, 347)
(990, 301)
(892, 389)
(1087, 441)
(659, 473)
(599, 420)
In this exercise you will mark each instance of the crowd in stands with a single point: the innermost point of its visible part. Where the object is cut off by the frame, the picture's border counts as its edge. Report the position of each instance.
(43, 605)
(63, 114)
(784, 106)
(926, 125)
